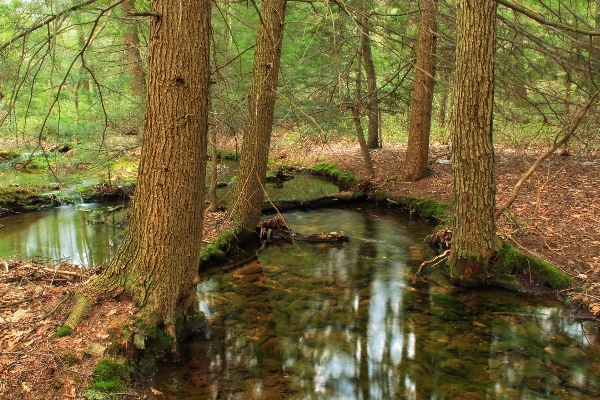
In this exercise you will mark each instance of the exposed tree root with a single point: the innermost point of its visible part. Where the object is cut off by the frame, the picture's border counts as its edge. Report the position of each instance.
(439, 259)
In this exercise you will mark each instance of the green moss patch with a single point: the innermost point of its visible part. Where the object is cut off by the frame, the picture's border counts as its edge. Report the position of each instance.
(328, 169)
(427, 209)
(62, 332)
(110, 376)
(217, 249)
(511, 261)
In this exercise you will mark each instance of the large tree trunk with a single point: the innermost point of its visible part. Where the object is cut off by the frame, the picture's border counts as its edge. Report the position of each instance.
(415, 164)
(249, 189)
(132, 51)
(474, 232)
(157, 264)
(373, 104)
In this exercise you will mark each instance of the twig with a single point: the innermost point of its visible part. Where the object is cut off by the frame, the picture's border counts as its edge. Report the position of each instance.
(59, 272)
(440, 258)
(44, 316)
(16, 303)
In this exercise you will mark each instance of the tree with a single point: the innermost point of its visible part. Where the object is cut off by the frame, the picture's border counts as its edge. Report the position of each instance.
(415, 164)
(474, 240)
(249, 189)
(356, 107)
(135, 65)
(157, 264)
(372, 106)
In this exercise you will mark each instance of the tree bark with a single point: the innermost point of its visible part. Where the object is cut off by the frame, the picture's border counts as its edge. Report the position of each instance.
(249, 189)
(157, 264)
(133, 57)
(373, 103)
(474, 240)
(415, 164)
(364, 149)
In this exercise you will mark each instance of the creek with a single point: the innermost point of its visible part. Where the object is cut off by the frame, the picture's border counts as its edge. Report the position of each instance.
(88, 234)
(311, 321)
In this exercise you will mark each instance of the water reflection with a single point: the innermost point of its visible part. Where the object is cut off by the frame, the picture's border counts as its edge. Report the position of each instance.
(316, 322)
(84, 235)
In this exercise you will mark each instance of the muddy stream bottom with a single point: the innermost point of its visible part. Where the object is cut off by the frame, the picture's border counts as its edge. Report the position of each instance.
(312, 321)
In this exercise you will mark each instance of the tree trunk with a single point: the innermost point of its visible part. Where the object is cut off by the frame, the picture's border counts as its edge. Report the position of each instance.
(415, 164)
(212, 193)
(373, 104)
(249, 189)
(474, 235)
(157, 264)
(132, 51)
(443, 104)
(356, 110)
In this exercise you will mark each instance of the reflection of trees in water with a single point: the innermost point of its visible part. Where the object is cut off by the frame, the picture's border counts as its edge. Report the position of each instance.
(348, 323)
(59, 234)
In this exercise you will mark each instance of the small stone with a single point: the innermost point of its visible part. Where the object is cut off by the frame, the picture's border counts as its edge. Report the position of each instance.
(95, 349)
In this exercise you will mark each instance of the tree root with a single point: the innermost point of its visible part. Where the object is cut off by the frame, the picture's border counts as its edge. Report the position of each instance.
(83, 305)
(441, 258)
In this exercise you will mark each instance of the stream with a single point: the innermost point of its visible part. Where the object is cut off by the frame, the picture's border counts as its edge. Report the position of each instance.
(350, 322)
(88, 234)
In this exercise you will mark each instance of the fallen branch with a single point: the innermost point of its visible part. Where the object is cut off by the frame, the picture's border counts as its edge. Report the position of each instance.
(571, 129)
(49, 313)
(441, 257)
(59, 272)
(16, 303)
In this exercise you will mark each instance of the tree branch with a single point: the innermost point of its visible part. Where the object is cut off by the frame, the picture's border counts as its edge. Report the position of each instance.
(534, 15)
(45, 22)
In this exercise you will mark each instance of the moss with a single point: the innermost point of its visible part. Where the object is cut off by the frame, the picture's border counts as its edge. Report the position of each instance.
(155, 342)
(217, 249)
(110, 376)
(70, 359)
(63, 331)
(510, 261)
(225, 155)
(508, 281)
(427, 209)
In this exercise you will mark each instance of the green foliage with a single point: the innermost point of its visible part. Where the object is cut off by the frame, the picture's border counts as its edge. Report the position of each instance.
(110, 376)
(510, 260)
(62, 332)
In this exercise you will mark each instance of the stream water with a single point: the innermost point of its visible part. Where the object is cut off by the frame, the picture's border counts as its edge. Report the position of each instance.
(352, 322)
(88, 234)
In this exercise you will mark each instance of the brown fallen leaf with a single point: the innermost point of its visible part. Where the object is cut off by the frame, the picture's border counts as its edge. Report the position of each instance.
(479, 324)
(156, 392)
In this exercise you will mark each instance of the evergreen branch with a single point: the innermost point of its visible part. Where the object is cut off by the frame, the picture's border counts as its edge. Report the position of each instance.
(534, 15)
(46, 22)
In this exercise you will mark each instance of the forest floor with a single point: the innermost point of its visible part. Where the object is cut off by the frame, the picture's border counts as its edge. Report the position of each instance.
(556, 217)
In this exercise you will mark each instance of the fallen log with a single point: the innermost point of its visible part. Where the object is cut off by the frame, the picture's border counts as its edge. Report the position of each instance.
(275, 229)
(322, 237)
(324, 201)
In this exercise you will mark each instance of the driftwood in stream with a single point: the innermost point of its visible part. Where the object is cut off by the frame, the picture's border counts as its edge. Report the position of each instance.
(275, 229)
(325, 201)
